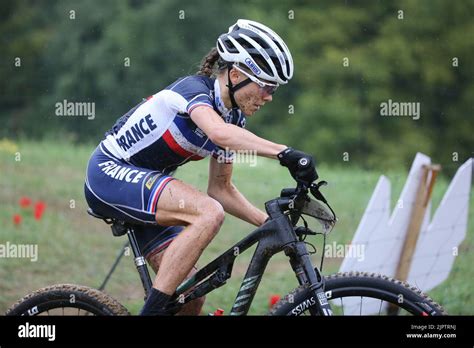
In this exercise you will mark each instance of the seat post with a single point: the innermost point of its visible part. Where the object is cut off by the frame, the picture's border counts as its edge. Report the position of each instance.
(140, 262)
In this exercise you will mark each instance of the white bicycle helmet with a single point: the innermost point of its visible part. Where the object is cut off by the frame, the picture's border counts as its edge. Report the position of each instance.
(258, 48)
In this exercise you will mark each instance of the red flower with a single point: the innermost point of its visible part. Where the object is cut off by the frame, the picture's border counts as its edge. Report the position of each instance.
(218, 312)
(273, 300)
(17, 219)
(25, 202)
(39, 209)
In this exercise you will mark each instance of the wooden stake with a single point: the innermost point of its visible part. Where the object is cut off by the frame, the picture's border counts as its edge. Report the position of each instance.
(422, 199)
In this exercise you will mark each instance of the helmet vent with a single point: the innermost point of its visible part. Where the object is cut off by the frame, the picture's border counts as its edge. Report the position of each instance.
(230, 47)
(263, 64)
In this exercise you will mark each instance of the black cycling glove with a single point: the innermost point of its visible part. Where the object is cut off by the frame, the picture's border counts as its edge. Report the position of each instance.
(300, 164)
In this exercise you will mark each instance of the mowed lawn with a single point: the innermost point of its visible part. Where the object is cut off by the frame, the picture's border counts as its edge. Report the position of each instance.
(76, 248)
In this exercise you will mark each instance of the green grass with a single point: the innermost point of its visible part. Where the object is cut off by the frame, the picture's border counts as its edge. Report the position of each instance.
(75, 248)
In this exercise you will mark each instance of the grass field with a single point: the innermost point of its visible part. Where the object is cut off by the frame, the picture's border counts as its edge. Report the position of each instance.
(75, 248)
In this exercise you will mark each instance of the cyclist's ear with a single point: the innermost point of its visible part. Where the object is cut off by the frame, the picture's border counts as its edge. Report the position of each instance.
(235, 76)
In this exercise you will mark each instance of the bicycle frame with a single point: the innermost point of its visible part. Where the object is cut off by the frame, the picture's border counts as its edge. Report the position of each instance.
(276, 235)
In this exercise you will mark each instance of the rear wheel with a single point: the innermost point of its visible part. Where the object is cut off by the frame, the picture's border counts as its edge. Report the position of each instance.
(67, 299)
(356, 293)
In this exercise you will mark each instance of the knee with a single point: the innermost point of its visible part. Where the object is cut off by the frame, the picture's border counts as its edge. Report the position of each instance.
(211, 213)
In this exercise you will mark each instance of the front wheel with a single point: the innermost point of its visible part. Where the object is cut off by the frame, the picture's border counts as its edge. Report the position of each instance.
(357, 293)
(67, 299)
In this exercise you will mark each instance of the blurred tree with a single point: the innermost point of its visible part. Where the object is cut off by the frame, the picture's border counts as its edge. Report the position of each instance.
(350, 56)
(117, 52)
(24, 31)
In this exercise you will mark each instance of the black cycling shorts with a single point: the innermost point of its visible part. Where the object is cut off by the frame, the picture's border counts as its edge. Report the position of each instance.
(117, 189)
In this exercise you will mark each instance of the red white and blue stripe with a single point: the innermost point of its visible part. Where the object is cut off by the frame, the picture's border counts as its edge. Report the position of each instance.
(156, 192)
(159, 133)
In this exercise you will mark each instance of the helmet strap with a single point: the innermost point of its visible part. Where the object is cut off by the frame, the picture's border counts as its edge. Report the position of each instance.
(232, 88)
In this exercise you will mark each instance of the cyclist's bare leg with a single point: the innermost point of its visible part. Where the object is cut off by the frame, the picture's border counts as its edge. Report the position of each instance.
(191, 308)
(183, 205)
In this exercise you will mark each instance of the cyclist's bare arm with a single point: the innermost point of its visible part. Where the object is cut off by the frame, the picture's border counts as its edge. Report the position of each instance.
(221, 188)
(231, 136)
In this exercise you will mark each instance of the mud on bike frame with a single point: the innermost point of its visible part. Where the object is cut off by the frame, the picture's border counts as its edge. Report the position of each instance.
(277, 234)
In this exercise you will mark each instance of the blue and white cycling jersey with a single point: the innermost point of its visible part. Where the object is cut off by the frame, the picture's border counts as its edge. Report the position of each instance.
(159, 133)
(130, 169)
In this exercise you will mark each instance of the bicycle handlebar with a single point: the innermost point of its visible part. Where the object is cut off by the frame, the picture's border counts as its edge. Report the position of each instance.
(301, 191)
(294, 198)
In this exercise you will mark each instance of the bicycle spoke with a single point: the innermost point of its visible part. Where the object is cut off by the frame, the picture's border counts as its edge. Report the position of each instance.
(342, 305)
(360, 313)
(380, 309)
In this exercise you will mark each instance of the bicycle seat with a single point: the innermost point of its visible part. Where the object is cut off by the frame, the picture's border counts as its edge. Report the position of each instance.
(96, 215)
(119, 227)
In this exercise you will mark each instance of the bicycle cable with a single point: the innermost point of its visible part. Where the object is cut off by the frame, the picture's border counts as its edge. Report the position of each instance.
(322, 253)
(303, 239)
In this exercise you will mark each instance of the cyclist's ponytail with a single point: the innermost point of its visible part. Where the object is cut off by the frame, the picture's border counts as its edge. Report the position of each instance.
(208, 63)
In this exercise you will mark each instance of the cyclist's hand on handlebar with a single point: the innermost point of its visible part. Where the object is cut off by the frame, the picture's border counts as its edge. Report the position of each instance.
(301, 165)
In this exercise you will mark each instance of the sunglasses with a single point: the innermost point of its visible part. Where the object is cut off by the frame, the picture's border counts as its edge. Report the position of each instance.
(266, 88)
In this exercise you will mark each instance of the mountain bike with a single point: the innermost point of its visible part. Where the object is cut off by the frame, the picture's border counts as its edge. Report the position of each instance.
(316, 294)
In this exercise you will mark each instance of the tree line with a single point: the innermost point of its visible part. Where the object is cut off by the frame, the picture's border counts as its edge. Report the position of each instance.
(355, 62)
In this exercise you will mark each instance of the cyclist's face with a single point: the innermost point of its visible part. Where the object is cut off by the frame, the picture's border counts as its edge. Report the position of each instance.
(251, 97)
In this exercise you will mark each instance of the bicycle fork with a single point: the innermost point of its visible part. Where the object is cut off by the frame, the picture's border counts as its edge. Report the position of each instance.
(306, 274)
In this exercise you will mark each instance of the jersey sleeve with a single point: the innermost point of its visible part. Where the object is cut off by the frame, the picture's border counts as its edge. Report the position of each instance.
(199, 100)
(196, 90)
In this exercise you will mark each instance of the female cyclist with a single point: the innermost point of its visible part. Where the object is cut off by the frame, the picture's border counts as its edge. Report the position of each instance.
(129, 175)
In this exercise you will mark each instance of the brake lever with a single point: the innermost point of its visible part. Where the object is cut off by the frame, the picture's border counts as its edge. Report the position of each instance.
(314, 188)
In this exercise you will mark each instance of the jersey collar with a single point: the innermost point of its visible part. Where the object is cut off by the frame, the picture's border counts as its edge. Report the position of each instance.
(218, 99)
